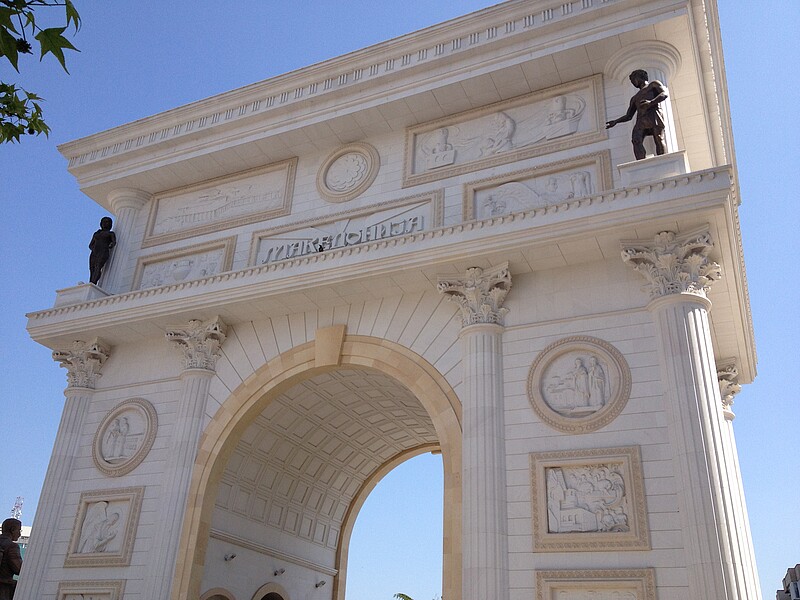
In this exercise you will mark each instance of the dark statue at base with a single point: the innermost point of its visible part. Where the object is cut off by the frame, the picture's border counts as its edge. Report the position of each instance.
(646, 105)
(102, 242)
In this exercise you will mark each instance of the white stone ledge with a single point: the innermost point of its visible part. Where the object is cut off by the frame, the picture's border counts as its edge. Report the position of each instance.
(253, 282)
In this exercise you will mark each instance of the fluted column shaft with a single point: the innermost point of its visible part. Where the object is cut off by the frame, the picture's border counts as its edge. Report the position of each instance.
(695, 415)
(485, 523)
(200, 343)
(480, 296)
(177, 476)
(126, 204)
(83, 363)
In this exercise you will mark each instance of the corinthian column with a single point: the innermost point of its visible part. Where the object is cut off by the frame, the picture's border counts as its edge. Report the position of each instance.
(480, 296)
(200, 343)
(83, 362)
(679, 274)
(126, 203)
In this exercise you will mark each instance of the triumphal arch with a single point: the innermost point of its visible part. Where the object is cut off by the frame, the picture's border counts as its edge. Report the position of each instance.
(430, 245)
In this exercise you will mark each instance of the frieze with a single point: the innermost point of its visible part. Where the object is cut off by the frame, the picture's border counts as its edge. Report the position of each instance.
(579, 384)
(186, 264)
(124, 437)
(350, 228)
(601, 584)
(535, 124)
(588, 500)
(539, 187)
(105, 528)
(232, 201)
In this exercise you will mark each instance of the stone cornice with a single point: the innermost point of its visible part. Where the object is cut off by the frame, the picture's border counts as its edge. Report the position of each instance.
(540, 216)
(426, 48)
(565, 213)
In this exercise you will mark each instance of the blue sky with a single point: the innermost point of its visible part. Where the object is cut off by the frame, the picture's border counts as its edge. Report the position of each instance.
(165, 54)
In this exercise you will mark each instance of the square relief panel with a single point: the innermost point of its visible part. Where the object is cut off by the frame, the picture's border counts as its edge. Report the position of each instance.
(546, 185)
(555, 119)
(90, 590)
(105, 528)
(588, 500)
(232, 201)
(186, 264)
(628, 584)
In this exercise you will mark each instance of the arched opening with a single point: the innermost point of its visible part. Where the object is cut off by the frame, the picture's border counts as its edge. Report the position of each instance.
(396, 546)
(287, 462)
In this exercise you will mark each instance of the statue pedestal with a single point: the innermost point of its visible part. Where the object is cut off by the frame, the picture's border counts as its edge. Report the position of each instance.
(78, 294)
(653, 168)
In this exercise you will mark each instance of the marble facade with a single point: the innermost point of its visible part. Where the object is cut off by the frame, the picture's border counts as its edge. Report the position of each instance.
(468, 264)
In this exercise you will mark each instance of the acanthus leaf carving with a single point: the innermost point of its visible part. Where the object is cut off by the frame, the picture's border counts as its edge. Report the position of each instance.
(480, 294)
(728, 376)
(83, 361)
(200, 342)
(674, 264)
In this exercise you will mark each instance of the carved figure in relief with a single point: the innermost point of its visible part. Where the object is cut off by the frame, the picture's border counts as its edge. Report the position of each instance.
(586, 499)
(99, 528)
(499, 139)
(646, 106)
(563, 118)
(103, 241)
(581, 182)
(597, 383)
(580, 383)
(441, 153)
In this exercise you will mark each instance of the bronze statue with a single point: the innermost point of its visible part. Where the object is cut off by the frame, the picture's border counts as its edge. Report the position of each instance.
(102, 242)
(646, 105)
(11, 561)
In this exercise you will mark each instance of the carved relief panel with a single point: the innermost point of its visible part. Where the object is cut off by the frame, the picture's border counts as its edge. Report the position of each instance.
(231, 201)
(91, 590)
(561, 117)
(194, 262)
(105, 528)
(622, 584)
(125, 437)
(579, 384)
(588, 500)
(542, 186)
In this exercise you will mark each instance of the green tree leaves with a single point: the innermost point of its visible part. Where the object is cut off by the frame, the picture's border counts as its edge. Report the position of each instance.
(20, 110)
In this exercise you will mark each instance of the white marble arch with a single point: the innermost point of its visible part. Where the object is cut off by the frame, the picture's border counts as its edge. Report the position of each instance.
(296, 367)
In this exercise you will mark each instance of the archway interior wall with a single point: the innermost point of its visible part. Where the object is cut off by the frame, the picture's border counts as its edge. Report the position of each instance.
(284, 372)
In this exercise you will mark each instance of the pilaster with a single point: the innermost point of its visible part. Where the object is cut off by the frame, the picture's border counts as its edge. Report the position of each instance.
(83, 361)
(126, 203)
(480, 295)
(200, 342)
(679, 274)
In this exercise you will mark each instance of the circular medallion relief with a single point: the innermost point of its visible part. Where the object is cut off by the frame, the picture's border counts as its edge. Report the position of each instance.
(348, 172)
(125, 437)
(579, 384)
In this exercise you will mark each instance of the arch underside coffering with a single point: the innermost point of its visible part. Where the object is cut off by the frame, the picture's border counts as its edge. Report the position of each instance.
(288, 460)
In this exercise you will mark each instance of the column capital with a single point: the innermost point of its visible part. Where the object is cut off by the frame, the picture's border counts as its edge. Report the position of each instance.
(122, 198)
(728, 377)
(480, 294)
(83, 361)
(673, 263)
(200, 342)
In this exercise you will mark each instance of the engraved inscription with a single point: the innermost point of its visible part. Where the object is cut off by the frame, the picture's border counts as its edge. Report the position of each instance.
(586, 499)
